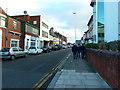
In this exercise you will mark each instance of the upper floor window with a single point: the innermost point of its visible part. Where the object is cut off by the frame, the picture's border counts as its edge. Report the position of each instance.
(44, 25)
(15, 25)
(34, 22)
(44, 34)
(100, 14)
(2, 22)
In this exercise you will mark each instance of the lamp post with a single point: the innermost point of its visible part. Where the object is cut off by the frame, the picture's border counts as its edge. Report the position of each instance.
(75, 28)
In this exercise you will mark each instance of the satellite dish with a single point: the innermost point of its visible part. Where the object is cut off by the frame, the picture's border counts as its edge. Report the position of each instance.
(25, 12)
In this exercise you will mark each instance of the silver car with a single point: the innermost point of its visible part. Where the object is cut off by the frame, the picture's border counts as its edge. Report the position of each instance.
(34, 50)
(12, 53)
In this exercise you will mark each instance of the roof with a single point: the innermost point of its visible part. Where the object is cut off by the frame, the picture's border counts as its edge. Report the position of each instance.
(92, 2)
(91, 19)
(2, 11)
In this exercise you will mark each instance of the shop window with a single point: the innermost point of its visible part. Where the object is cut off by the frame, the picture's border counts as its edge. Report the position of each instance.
(32, 43)
(14, 43)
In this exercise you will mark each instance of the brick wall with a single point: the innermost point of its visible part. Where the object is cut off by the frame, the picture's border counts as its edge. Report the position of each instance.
(10, 28)
(3, 37)
(37, 18)
(107, 64)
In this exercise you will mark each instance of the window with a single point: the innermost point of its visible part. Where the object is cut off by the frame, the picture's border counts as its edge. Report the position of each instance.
(15, 25)
(100, 34)
(35, 22)
(27, 43)
(20, 49)
(2, 22)
(32, 43)
(32, 48)
(100, 21)
(44, 34)
(5, 49)
(31, 29)
(14, 43)
(44, 25)
(15, 49)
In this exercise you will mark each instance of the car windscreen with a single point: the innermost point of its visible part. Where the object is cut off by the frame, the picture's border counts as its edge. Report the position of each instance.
(32, 48)
(5, 49)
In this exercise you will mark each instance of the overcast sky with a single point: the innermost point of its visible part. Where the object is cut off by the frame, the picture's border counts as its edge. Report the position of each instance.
(59, 13)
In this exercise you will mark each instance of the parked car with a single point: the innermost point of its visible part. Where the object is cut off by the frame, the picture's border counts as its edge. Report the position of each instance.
(12, 53)
(56, 47)
(64, 46)
(59, 47)
(34, 50)
(46, 49)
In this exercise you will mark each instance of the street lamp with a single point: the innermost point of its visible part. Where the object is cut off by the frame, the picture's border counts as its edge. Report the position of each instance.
(75, 28)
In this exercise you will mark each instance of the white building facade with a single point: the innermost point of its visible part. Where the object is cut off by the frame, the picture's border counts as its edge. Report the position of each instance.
(44, 32)
(112, 20)
(98, 20)
(106, 20)
(31, 37)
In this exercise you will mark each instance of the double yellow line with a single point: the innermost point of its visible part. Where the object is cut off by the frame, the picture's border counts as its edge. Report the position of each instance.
(40, 83)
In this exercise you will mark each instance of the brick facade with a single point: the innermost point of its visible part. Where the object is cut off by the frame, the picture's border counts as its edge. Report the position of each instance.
(3, 37)
(35, 18)
(29, 19)
(13, 33)
(3, 28)
(107, 65)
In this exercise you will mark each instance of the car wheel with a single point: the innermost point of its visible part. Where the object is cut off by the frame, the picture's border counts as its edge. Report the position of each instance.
(25, 55)
(12, 57)
(37, 53)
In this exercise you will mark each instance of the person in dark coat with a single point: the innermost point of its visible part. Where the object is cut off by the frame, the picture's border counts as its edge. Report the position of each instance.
(78, 50)
(74, 50)
(82, 48)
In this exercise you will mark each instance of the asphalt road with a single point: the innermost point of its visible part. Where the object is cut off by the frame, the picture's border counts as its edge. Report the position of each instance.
(26, 72)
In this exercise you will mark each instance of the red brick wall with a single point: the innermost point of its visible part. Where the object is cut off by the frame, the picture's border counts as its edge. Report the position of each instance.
(29, 19)
(2, 11)
(3, 37)
(23, 17)
(107, 65)
(37, 18)
(10, 28)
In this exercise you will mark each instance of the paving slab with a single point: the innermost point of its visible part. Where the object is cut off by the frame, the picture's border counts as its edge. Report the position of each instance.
(78, 74)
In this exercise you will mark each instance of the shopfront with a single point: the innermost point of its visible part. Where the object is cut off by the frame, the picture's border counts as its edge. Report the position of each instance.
(31, 41)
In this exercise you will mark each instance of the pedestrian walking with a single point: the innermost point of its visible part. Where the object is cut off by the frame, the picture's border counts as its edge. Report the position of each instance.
(74, 50)
(82, 48)
(78, 50)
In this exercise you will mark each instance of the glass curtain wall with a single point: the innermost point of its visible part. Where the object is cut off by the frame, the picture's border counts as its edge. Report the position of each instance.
(94, 22)
(100, 20)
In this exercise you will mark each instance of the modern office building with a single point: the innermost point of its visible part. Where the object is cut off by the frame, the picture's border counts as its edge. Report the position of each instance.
(112, 20)
(98, 20)
(106, 20)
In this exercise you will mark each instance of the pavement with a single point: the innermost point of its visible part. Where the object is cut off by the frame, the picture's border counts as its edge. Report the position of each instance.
(79, 74)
